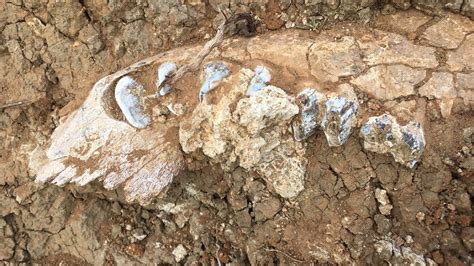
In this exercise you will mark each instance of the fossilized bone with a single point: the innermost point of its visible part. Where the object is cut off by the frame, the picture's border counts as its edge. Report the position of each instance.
(261, 132)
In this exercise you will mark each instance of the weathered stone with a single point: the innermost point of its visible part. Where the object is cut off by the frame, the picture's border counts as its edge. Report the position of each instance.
(405, 22)
(385, 207)
(339, 119)
(287, 50)
(179, 253)
(312, 108)
(382, 134)
(7, 243)
(260, 79)
(390, 82)
(214, 73)
(465, 87)
(463, 58)
(331, 60)
(441, 87)
(130, 99)
(389, 48)
(449, 32)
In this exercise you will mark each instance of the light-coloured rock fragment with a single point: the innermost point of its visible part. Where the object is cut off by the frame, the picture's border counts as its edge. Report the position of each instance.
(260, 80)
(382, 47)
(406, 22)
(331, 60)
(382, 134)
(462, 59)
(393, 254)
(129, 97)
(312, 108)
(441, 87)
(339, 119)
(385, 207)
(390, 82)
(465, 86)
(449, 32)
(179, 253)
(286, 50)
(255, 134)
(164, 71)
(214, 73)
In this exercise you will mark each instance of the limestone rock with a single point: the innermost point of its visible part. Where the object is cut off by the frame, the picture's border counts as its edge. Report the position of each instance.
(406, 22)
(94, 145)
(449, 32)
(330, 60)
(179, 253)
(390, 82)
(465, 86)
(385, 207)
(129, 97)
(382, 134)
(339, 119)
(391, 48)
(312, 108)
(462, 59)
(441, 87)
(255, 135)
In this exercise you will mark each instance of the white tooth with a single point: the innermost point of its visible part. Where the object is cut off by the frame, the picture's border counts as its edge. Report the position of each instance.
(260, 80)
(129, 96)
(214, 73)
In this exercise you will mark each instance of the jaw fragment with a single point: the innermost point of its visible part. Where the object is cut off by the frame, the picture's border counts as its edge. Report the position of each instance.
(129, 97)
(214, 72)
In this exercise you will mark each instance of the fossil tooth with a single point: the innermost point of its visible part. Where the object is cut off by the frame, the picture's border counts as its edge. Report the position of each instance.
(165, 70)
(339, 119)
(129, 97)
(382, 134)
(214, 72)
(312, 106)
(260, 80)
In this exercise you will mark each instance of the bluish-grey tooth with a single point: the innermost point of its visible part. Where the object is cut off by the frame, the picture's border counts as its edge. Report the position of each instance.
(339, 119)
(260, 80)
(312, 108)
(214, 72)
(382, 134)
(164, 71)
(129, 97)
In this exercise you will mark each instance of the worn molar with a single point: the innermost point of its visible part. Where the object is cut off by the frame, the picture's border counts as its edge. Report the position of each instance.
(339, 119)
(129, 97)
(214, 73)
(312, 108)
(164, 71)
(382, 134)
(260, 79)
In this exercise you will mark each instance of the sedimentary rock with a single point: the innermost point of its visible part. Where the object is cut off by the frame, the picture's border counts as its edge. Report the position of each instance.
(255, 134)
(382, 134)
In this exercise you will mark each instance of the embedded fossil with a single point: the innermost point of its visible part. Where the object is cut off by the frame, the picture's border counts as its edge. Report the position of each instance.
(246, 123)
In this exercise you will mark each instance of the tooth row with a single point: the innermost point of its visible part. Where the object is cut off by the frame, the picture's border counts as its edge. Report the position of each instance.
(336, 115)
